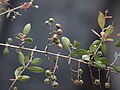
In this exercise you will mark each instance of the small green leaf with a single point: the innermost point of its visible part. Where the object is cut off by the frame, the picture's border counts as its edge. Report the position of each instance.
(80, 52)
(23, 78)
(66, 43)
(101, 20)
(104, 60)
(93, 48)
(85, 57)
(6, 51)
(99, 64)
(18, 71)
(27, 29)
(117, 69)
(35, 69)
(3, 9)
(117, 44)
(21, 58)
(76, 44)
(96, 42)
(26, 59)
(8, 14)
(109, 31)
(28, 40)
(104, 48)
(95, 33)
(97, 57)
(36, 61)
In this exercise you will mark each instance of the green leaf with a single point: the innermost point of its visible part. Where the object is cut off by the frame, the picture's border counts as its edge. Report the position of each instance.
(21, 58)
(95, 33)
(101, 20)
(109, 31)
(66, 43)
(28, 40)
(117, 69)
(93, 48)
(99, 64)
(8, 14)
(97, 57)
(117, 44)
(36, 61)
(76, 44)
(6, 51)
(104, 48)
(23, 78)
(26, 59)
(96, 42)
(80, 52)
(18, 71)
(27, 29)
(85, 57)
(35, 69)
(3, 9)
(104, 60)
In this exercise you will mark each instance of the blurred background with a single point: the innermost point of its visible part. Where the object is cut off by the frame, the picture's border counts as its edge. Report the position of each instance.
(77, 18)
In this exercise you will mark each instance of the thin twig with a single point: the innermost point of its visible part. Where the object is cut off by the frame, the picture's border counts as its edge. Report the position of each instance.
(10, 10)
(54, 54)
(31, 56)
(56, 63)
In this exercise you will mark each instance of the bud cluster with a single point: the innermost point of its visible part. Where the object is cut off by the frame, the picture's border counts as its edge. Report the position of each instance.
(51, 79)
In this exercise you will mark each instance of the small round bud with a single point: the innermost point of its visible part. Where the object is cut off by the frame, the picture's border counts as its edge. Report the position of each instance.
(56, 41)
(81, 82)
(48, 73)
(55, 84)
(47, 81)
(80, 71)
(59, 46)
(53, 78)
(46, 22)
(58, 26)
(59, 31)
(55, 37)
(76, 82)
(97, 82)
(10, 40)
(51, 20)
(107, 85)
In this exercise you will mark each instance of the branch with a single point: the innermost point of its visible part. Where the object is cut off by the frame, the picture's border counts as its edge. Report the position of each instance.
(54, 54)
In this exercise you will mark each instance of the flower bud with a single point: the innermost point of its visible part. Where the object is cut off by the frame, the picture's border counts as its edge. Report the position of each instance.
(55, 37)
(47, 81)
(59, 46)
(76, 82)
(80, 71)
(48, 73)
(46, 22)
(58, 26)
(81, 82)
(107, 85)
(51, 20)
(55, 84)
(97, 82)
(53, 78)
(59, 31)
